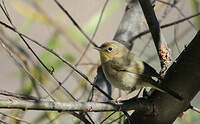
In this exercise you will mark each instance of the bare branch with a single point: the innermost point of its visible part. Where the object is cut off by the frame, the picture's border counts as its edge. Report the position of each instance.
(107, 117)
(158, 38)
(18, 96)
(195, 109)
(179, 10)
(164, 26)
(138, 104)
(16, 118)
(19, 63)
(3, 122)
(115, 119)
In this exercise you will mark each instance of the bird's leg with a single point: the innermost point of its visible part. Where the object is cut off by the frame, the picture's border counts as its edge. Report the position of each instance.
(123, 96)
(118, 100)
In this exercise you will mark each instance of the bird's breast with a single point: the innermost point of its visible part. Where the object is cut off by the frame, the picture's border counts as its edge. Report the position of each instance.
(120, 79)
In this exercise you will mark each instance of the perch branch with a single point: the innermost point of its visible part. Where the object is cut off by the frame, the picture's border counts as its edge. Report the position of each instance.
(138, 104)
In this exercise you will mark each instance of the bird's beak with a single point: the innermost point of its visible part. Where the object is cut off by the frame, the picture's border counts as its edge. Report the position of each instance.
(98, 48)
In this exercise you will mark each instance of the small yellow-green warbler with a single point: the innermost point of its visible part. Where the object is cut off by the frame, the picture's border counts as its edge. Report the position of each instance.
(125, 71)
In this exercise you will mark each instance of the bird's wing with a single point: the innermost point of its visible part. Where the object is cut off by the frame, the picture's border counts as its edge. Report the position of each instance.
(147, 69)
(150, 71)
(127, 68)
(133, 64)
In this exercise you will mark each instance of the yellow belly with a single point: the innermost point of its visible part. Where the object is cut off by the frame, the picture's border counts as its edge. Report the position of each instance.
(122, 80)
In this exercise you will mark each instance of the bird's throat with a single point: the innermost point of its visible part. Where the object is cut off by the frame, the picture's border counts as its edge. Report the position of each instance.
(104, 58)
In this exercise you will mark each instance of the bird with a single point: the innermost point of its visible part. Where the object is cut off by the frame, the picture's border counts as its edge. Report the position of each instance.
(124, 70)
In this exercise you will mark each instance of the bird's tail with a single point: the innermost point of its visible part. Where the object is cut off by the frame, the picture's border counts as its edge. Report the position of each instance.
(162, 88)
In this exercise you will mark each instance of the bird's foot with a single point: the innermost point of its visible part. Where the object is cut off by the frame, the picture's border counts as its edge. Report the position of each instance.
(116, 101)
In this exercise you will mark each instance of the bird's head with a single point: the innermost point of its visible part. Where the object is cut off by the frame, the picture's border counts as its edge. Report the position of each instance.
(110, 50)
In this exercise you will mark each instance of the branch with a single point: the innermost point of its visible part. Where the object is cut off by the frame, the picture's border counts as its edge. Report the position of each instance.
(138, 104)
(22, 67)
(16, 118)
(195, 109)
(179, 11)
(184, 76)
(152, 21)
(18, 96)
(164, 26)
(75, 23)
(159, 40)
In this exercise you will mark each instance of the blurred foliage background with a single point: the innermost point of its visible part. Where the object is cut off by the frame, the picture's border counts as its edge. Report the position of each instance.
(43, 21)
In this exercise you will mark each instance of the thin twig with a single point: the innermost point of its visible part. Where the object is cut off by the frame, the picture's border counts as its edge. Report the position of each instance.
(107, 117)
(195, 109)
(80, 117)
(88, 64)
(55, 118)
(180, 12)
(19, 63)
(3, 122)
(164, 26)
(116, 119)
(59, 28)
(18, 96)
(75, 23)
(16, 118)
(175, 38)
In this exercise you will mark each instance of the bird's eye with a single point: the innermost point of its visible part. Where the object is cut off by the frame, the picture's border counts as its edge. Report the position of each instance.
(109, 49)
